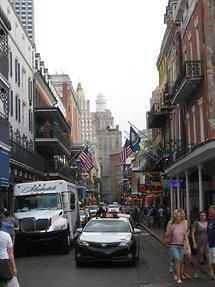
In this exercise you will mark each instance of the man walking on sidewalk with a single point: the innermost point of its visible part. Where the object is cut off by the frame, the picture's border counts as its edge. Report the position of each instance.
(211, 238)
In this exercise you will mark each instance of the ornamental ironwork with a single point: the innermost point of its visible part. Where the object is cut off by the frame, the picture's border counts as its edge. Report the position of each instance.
(4, 103)
(3, 44)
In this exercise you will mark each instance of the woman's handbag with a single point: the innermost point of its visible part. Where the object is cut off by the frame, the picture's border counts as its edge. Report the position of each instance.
(187, 249)
(5, 269)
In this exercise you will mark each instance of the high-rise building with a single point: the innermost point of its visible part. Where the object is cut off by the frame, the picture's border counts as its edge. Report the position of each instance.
(25, 11)
(109, 139)
(87, 117)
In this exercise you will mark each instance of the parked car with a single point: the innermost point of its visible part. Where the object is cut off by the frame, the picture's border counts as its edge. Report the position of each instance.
(107, 239)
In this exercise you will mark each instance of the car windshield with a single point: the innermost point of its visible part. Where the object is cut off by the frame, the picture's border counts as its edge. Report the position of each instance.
(37, 202)
(83, 212)
(113, 206)
(107, 226)
(93, 207)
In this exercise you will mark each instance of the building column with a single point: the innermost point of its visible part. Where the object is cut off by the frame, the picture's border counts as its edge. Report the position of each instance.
(178, 194)
(200, 168)
(171, 196)
(187, 194)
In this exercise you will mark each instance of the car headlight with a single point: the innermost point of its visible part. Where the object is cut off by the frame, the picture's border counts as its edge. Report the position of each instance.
(59, 227)
(126, 243)
(82, 243)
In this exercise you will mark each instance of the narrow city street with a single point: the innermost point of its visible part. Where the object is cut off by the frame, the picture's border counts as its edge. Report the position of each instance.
(46, 269)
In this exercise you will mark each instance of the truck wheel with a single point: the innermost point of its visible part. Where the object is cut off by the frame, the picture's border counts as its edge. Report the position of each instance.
(65, 244)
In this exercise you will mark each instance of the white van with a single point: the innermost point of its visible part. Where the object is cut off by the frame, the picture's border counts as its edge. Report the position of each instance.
(48, 213)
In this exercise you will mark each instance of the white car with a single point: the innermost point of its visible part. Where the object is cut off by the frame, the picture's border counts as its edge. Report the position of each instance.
(107, 239)
(113, 208)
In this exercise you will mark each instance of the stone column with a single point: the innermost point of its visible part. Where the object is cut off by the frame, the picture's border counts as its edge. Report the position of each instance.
(178, 194)
(200, 167)
(171, 196)
(187, 194)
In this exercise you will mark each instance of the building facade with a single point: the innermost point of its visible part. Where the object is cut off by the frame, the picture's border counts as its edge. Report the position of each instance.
(63, 86)
(5, 27)
(87, 117)
(25, 11)
(187, 68)
(109, 139)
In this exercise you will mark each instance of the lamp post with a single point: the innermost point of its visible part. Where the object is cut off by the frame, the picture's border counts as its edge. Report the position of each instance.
(100, 183)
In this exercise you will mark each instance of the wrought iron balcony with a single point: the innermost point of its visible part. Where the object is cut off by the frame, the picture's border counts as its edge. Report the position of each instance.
(167, 98)
(187, 81)
(58, 169)
(157, 116)
(4, 55)
(19, 156)
(52, 132)
(179, 148)
(4, 130)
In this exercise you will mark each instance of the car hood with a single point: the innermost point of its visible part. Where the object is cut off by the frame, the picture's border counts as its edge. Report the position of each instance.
(106, 237)
(38, 214)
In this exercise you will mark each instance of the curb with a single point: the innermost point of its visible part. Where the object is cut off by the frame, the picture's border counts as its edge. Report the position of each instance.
(203, 269)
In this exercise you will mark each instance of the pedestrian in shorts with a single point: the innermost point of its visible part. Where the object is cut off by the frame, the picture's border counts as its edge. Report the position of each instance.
(211, 238)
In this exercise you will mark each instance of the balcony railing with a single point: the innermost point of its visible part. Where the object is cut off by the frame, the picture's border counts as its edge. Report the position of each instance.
(167, 98)
(56, 168)
(52, 132)
(53, 137)
(157, 116)
(187, 81)
(179, 148)
(20, 155)
(4, 55)
(4, 130)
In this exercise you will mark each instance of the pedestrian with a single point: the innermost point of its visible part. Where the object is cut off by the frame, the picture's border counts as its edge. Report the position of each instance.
(187, 249)
(8, 218)
(6, 252)
(211, 238)
(167, 238)
(101, 211)
(176, 234)
(200, 242)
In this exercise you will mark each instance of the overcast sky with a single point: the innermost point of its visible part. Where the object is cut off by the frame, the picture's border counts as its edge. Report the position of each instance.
(110, 46)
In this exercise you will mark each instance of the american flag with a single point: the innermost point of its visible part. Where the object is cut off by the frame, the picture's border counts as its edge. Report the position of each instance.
(86, 159)
(126, 151)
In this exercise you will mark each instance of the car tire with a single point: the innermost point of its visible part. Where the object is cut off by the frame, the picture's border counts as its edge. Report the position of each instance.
(133, 262)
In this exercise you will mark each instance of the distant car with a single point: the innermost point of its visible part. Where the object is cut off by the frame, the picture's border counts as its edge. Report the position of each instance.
(92, 210)
(128, 217)
(84, 216)
(107, 239)
(113, 208)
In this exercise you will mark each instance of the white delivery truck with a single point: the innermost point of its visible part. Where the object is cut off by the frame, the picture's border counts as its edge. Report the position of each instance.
(48, 213)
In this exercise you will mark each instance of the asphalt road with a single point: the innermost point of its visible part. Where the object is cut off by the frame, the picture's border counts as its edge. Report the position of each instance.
(48, 269)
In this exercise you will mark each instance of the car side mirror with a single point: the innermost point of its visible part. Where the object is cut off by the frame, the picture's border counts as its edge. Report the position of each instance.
(137, 231)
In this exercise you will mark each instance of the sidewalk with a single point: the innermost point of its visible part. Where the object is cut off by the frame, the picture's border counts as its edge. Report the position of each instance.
(158, 233)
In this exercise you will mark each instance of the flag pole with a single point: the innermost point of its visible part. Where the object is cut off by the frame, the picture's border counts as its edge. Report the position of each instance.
(145, 137)
(139, 130)
(70, 161)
